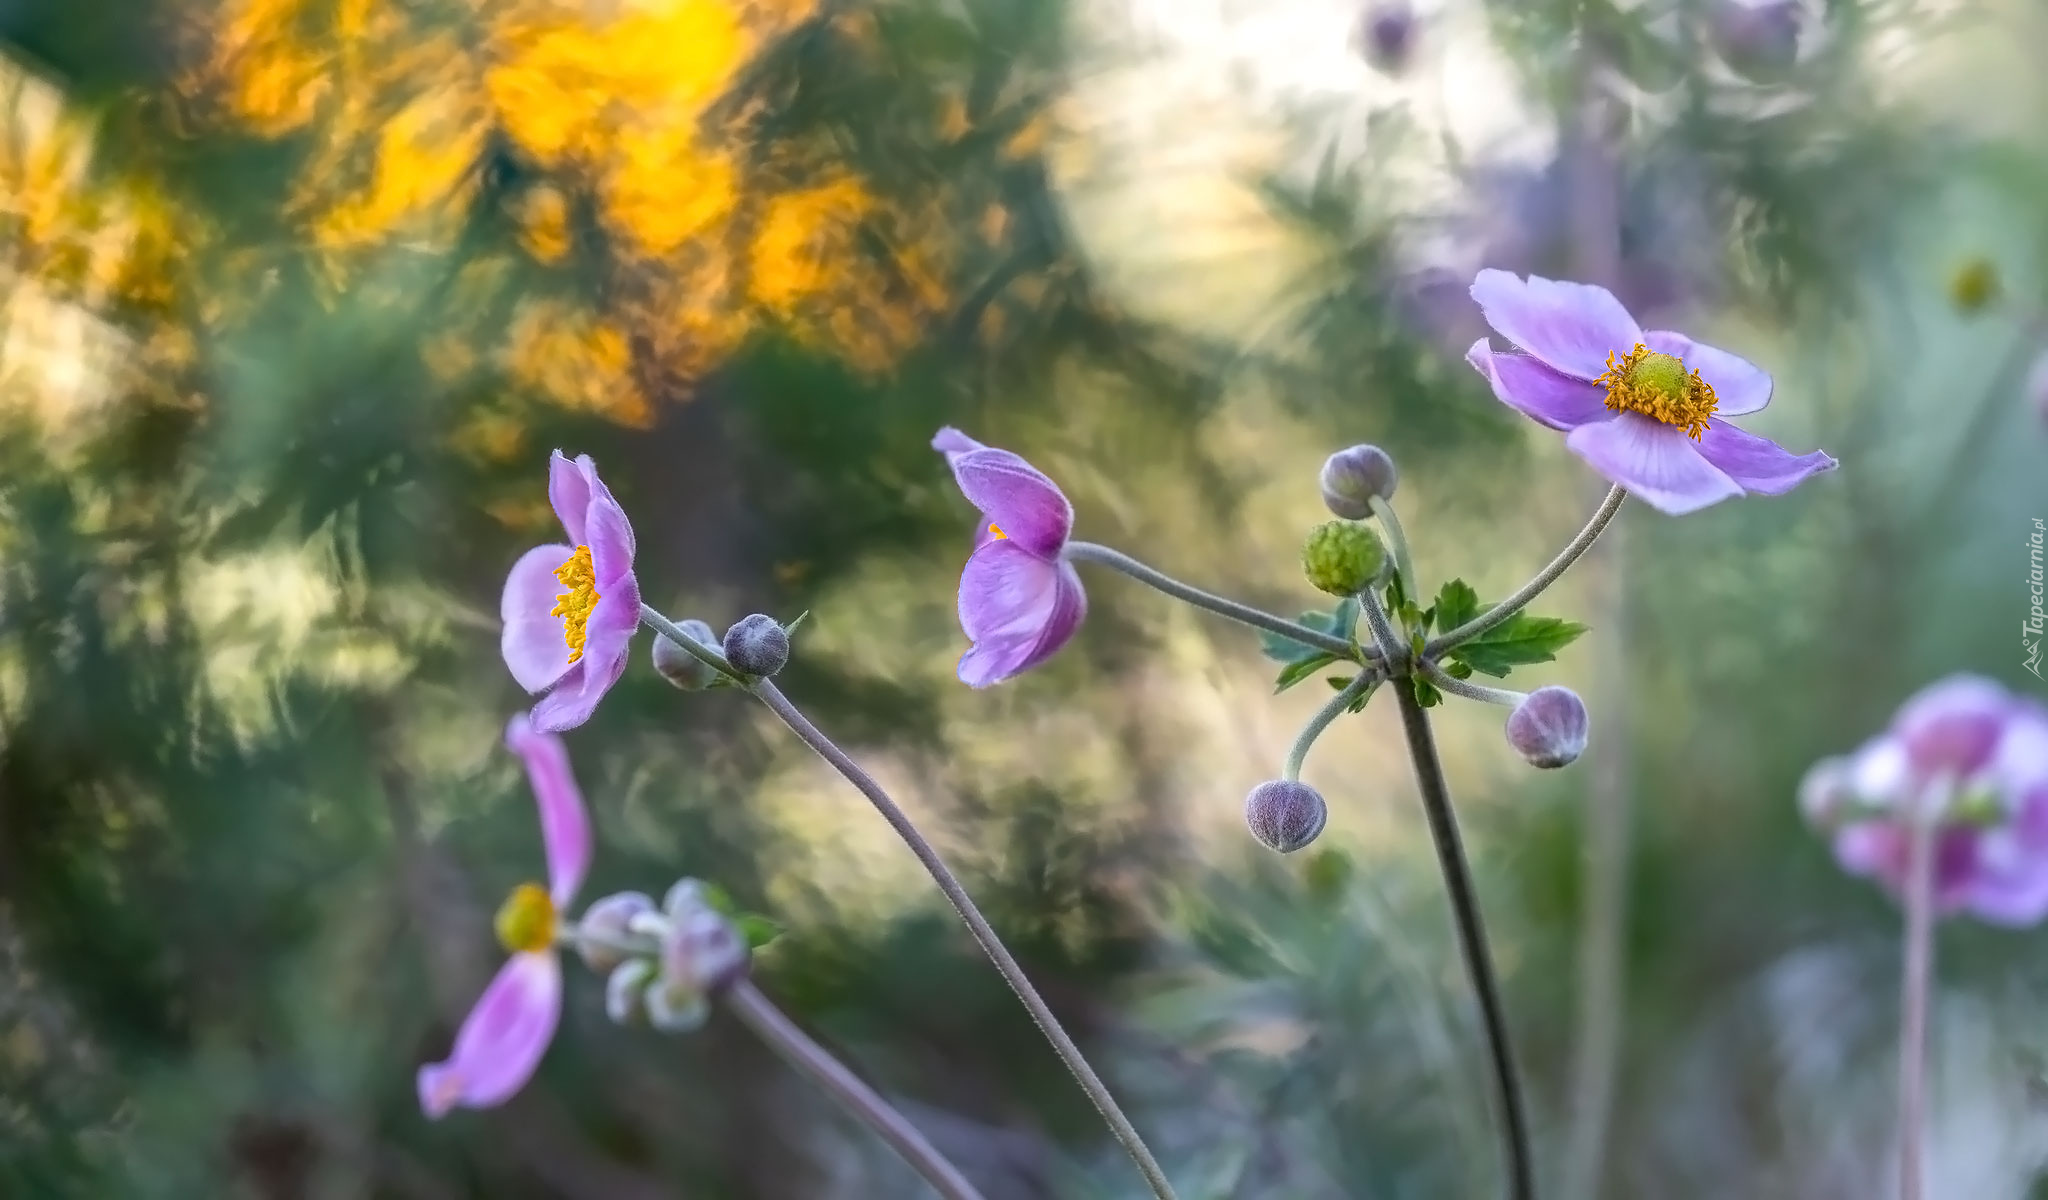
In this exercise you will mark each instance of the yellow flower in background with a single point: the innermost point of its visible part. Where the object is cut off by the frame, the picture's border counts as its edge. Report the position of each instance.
(623, 112)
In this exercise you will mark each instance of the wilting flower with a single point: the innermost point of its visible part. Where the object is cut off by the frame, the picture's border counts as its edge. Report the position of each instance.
(1971, 760)
(570, 610)
(1020, 600)
(503, 1037)
(1645, 409)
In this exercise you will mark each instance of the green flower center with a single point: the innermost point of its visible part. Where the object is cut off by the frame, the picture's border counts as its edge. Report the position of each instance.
(1659, 387)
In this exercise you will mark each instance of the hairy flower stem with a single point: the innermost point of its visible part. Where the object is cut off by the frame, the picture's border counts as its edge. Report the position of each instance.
(1257, 618)
(1534, 588)
(1013, 974)
(1298, 753)
(1451, 685)
(1397, 541)
(815, 1062)
(1914, 981)
(1464, 897)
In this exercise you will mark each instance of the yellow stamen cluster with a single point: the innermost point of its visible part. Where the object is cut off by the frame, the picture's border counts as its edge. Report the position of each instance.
(1657, 386)
(997, 530)
(574, 605)
(527, 920)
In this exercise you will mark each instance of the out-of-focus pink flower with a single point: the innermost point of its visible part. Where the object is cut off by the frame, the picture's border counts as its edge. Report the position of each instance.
(503, 1037)
(1645, 409)
(570, 610)
(1020, 600)
(1972, 759)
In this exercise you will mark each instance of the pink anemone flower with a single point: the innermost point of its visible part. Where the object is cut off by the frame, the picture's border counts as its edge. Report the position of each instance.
(503, 1037)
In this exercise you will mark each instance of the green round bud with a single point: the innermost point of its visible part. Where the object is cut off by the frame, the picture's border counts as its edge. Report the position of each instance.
(1342, 558)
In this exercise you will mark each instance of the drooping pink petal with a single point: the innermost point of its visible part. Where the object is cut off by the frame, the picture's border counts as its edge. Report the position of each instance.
(569, 491)
(1524, 383)
(501, 1041)
(564, 822)
(1740, 386)
(1571, 326)
(1016, 496)
(1953, 727)
(1758, 463)
(1654, 461)
(1017, 609)
(532, 641)
(950, 441)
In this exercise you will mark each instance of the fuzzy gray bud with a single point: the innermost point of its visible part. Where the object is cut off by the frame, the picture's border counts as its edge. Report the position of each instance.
(757, 645)
(1386, 34)
(679, 666)
(1548, 728)
(609, 922)
(1351, 478)
(1759, 38)
(1285, 814)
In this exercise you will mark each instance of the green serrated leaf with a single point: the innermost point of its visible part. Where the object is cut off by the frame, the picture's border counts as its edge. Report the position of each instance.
(757, 929)
(1359, 704)
(1425, 692)
(1337, 682)
(1458, 670)
(1295, 672)
(1517, 642)
(1456, 603)
(790, 627)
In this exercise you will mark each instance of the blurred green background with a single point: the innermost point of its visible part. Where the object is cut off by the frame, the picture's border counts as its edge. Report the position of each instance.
(300, 293)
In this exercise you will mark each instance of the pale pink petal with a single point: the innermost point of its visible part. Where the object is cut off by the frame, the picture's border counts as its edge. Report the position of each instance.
(1017, 497)
(501, 1041)
(1757, 463)
(1740, 386)
(1524, 383)
(950, 441)
(1953, 727)
(610, 537)
(1018, 610)
(1571, 326)
(532, 641)
(579, 693)
(564, 822)
(1652, 460)
(569, 491)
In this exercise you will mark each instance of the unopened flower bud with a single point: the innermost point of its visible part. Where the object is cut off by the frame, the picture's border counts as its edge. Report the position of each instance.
(1827, 793)
(1351, 478)
(1386, 34)
(609, 922)
(1285, 814)
(701, 952)
(1548, 728)
(625, 991)
(757, 645)
(1759, 38)
(1342, 558)
(679, 666)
